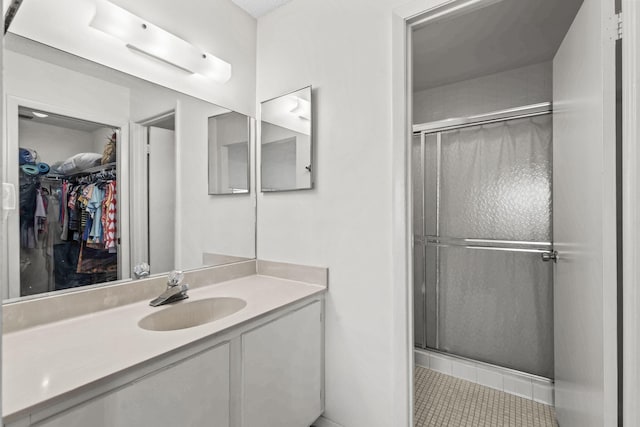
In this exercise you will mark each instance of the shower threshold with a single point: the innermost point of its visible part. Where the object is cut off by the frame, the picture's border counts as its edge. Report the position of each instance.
(518, 383)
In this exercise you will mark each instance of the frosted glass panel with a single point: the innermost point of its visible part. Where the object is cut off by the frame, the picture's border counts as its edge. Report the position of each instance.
(430, 185)
(431, 296)
(418, 252)
(485, 182)
(496, 307)
(417, 186)
(496, 181)
(424, 187)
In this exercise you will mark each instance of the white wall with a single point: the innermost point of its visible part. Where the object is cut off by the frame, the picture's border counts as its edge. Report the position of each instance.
(54, 143)
(344, 49)
(30, 78)
(513, 88)
(100, 139)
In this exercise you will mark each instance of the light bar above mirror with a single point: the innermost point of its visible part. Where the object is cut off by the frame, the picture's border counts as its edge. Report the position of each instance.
(143, 37)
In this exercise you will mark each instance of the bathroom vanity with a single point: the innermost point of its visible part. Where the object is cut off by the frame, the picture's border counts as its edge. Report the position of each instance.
(261, 365)
(80, 350)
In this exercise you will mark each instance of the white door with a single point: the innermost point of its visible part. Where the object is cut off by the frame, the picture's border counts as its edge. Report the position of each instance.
(162, 197)
(584, 220)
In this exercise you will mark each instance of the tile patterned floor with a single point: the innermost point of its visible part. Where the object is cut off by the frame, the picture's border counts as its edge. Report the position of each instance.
(444, 401)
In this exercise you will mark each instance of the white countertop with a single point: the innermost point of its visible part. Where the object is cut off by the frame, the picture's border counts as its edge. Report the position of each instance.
(49, 361)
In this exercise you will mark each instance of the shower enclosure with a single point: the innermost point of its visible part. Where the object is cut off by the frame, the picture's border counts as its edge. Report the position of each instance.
(482, 231)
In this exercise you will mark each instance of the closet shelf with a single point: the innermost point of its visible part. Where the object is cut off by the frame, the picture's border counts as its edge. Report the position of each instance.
(88, 171)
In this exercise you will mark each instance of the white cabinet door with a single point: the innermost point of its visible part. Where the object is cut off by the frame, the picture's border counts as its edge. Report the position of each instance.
(584, 230)
(281, 368)
(194, 392)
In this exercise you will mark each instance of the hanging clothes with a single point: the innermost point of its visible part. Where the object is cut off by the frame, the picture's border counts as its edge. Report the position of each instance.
(64, 217)
(54, 229)
(109, 212)
(90, 212)
(40, 220)
(67, 227)
(94, 207)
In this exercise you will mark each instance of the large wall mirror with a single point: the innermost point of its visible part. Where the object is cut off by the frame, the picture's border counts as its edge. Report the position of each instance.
(113, 171)
(286, 144)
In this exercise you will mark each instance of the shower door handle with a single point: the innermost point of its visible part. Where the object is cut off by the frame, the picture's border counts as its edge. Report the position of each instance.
(550, 256)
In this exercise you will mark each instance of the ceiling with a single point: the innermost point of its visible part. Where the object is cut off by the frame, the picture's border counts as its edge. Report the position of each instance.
(503, 35)
(59, 121)
(257, 8)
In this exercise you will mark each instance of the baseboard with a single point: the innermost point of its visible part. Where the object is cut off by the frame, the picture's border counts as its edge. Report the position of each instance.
(538, 389)
(325, 422)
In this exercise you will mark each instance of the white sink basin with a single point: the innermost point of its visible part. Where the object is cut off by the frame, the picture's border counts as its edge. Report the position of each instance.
(190, 314)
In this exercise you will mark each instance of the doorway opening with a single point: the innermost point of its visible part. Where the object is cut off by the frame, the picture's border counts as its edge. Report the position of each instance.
(155, 154)
(68, 221)
(496, 199)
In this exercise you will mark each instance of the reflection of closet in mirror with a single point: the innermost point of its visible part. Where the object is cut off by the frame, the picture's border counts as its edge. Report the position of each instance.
(68, 221)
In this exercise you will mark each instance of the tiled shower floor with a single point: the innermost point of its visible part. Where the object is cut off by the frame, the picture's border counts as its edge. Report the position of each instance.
(441, 400)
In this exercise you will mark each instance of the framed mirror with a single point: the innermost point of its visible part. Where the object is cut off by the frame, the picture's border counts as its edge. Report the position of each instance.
(286, 142)
(228, 136)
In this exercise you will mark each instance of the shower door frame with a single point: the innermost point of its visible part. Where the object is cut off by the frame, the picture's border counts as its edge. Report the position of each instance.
(437, 128)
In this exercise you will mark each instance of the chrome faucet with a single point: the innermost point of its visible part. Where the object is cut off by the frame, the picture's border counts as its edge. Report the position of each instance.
(175, 291)
(141, 270)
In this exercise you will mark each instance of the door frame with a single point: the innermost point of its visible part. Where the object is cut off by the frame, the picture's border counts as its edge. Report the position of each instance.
(139, 215)
(402, 264)
(631, 212)
(10, 175)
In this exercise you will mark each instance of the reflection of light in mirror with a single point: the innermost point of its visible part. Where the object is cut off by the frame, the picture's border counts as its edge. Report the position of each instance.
(289, 112)
(302, 108)
(144, 37)
(41, 115)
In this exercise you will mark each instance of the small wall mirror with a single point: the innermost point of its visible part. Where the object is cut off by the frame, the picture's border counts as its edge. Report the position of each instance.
(229, 153)
(286, 142)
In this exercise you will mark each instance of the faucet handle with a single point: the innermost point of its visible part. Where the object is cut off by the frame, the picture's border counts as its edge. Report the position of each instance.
(141, 270)
(175, 277)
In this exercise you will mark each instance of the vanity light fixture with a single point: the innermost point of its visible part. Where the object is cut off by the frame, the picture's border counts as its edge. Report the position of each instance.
(141, 36)
(39, 114)
(302, 108)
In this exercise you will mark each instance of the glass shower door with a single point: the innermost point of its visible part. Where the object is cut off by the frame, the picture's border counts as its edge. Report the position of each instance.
(486, 197)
